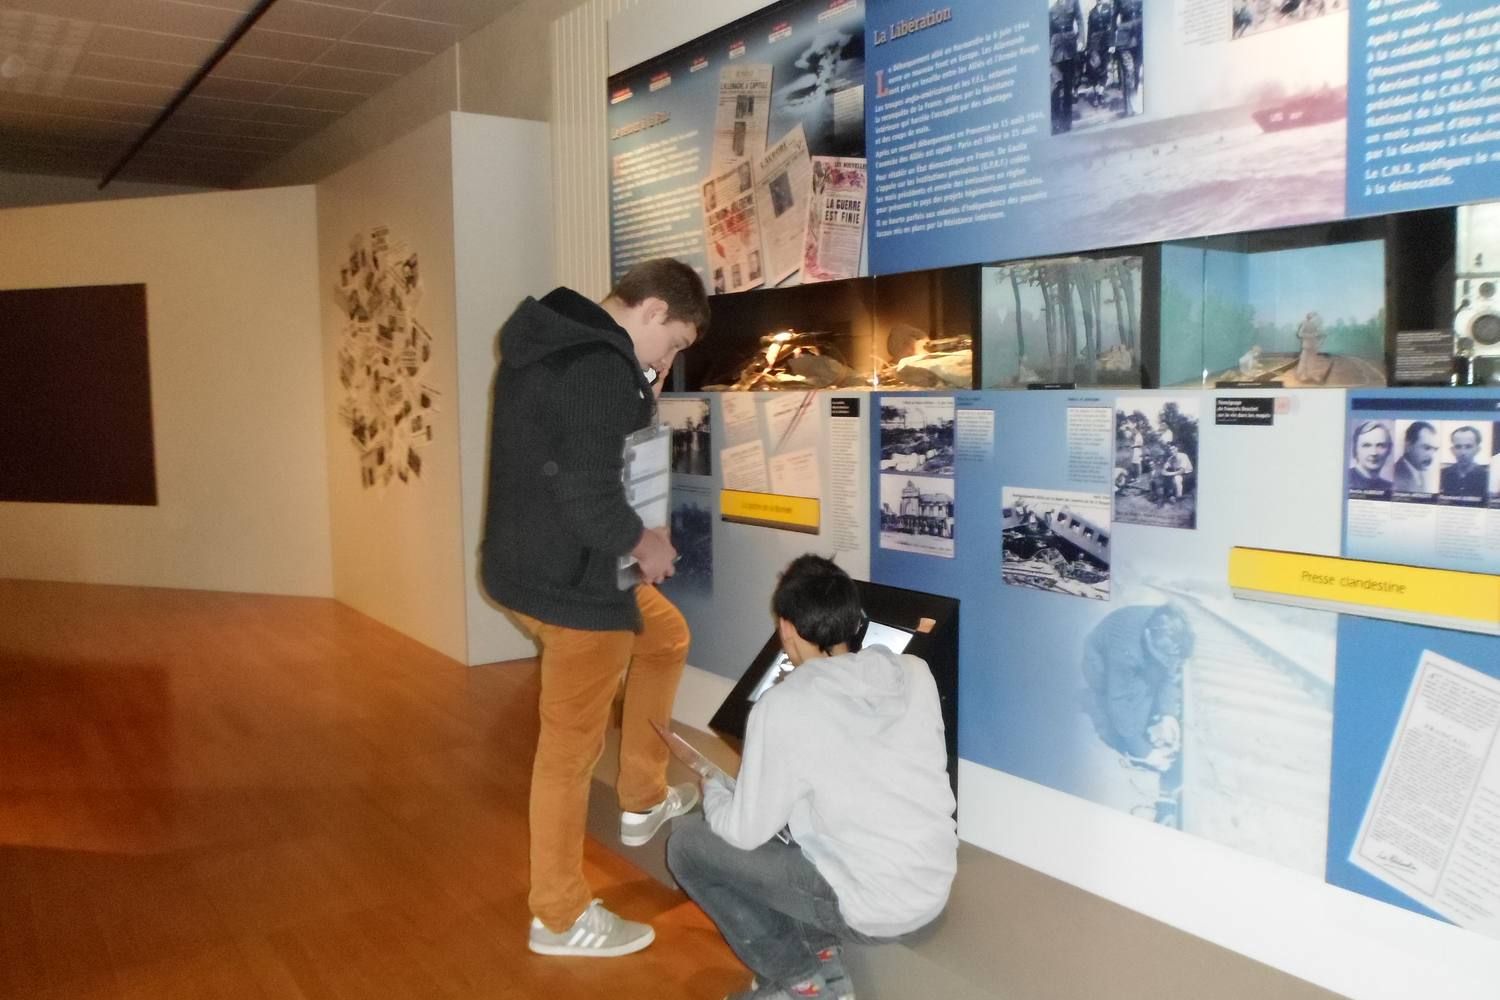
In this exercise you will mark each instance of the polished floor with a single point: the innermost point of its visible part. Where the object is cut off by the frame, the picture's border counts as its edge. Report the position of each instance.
(211, 796)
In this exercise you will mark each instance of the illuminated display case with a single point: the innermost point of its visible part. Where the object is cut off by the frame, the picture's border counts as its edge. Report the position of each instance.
(905, 331)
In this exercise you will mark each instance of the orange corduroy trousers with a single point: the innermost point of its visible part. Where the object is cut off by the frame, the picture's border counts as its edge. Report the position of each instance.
(580, 676)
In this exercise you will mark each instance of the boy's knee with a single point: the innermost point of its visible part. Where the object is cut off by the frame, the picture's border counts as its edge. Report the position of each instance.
(686, 840)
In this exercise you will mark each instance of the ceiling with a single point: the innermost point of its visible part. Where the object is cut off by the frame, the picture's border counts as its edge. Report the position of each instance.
(80, 80)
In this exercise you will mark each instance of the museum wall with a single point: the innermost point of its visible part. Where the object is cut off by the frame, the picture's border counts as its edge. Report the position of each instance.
(236, 393)
(502, 253)
(397, 541)
(1246, 832)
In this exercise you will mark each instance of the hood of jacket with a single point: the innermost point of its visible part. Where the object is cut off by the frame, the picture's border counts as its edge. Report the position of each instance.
(562, 320)
(873, 680)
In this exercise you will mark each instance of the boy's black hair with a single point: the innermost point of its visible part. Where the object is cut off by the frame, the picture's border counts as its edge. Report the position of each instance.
(821, 602)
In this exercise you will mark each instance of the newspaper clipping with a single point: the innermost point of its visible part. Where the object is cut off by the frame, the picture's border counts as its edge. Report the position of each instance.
(783, 178)
(835, 219)
(732, 231)
(1433, 821)
(744, 113)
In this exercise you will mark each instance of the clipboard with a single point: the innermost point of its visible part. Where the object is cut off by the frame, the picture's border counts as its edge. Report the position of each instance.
(689, 755)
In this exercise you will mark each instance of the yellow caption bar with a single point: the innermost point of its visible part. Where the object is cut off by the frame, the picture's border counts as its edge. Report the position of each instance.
(1440, 597)
(770, 510)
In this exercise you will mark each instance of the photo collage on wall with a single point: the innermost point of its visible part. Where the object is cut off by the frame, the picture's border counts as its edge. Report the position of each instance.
(917, 474)
(383, 358)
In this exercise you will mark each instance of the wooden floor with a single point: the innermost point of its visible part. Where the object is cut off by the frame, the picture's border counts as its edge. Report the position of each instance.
(208, 796)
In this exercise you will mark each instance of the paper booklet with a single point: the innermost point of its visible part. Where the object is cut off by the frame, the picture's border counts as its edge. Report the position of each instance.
(647, 477)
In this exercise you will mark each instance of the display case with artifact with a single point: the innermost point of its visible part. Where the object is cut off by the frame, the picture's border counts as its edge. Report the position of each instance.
(909, 331)
(1065, 320)
(925, 326)
(1301, 308)
(1476, 301)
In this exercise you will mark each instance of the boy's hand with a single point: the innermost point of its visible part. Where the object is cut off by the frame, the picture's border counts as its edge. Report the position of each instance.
(655, 555)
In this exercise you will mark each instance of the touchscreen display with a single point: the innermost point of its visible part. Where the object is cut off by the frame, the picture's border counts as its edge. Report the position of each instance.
(877, 634)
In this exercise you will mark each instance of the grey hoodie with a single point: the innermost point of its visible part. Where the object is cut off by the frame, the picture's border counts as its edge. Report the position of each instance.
(848, 752)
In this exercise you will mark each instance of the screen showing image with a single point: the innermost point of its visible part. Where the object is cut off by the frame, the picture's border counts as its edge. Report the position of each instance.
(877, 634)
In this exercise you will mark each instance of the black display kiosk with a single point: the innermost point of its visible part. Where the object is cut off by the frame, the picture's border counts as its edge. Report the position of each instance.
(924, 625)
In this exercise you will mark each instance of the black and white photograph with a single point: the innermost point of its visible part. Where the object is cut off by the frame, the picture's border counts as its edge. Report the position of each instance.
(916, 435)
(1156, 461)
(1371, 457)
(781, 194)
(1056, 540)
(692, 440)
(916, 514)
(1251, 17)
(1095, 62)
(1464, 454)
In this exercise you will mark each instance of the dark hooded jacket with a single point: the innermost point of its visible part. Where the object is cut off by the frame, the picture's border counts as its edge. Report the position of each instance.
(568, 391)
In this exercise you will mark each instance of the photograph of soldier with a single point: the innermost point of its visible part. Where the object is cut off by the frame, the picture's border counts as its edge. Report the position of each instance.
(1056, 540)
(1129, 66)
(1464, 477)
(1251, 17)
(1065, 27)
(1096, 62)
(1156, 458)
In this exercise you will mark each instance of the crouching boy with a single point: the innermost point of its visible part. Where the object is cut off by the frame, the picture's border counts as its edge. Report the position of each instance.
(847, 753)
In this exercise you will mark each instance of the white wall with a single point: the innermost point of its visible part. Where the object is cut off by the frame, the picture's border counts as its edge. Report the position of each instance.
(237, 401)
(396, 552)
(657, 26)
(502, 210)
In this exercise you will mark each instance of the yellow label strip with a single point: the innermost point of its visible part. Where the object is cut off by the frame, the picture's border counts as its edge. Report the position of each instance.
(770, 510)
(1440, 597)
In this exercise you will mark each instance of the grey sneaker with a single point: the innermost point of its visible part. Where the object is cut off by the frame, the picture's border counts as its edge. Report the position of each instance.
(831, 962)
(597, 933)
(816, 988)
(637, 829)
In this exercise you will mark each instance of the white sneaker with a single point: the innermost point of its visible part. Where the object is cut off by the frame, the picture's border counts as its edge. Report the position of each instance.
(597, 933)
(637, 829)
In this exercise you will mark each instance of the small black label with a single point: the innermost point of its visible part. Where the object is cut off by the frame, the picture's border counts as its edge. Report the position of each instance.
(1259, 410)
(843, 406)
(1051, 385)
(1424, 357)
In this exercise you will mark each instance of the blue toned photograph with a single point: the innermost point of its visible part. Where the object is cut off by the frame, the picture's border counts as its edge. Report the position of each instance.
(1070, 319)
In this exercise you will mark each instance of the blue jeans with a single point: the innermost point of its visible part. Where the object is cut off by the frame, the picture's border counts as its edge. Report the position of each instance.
(773, 908)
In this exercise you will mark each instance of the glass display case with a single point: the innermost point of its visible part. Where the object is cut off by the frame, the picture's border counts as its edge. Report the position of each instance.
(1302, 307)
(1079, 320)
(905, 331)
